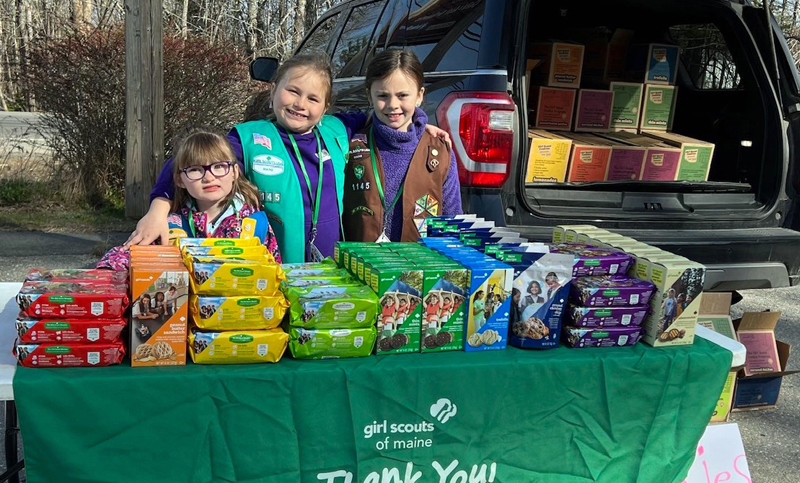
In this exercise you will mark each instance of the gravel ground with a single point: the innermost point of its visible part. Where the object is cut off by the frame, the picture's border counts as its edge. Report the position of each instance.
(771, 437)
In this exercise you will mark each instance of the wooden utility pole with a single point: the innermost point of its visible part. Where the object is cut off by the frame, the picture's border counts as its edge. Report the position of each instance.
(144, 102)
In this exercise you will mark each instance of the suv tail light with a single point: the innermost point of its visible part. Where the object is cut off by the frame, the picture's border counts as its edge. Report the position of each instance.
(481, 125)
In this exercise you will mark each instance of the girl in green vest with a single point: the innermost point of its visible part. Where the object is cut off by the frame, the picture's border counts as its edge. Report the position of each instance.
(296, 159)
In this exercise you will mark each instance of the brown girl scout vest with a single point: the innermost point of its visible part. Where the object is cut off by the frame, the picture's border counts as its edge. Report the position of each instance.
(362, 213)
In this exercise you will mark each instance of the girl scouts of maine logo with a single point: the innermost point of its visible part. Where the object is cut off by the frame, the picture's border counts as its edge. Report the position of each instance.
(268, 165)
(359, 171)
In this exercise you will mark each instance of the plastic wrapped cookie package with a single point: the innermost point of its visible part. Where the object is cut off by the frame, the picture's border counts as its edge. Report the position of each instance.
(593, 261)
(69, 355)
(243, 312)
(611, 291)
(237, 346)
(332, 307)
(331, 343)
(602, 337)
(73, 299)
(226, 277)
(607, 316)
(59, 331)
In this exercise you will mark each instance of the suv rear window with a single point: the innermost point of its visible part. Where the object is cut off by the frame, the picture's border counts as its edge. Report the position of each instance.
(444, 35)
(705, 56)
(349, 52)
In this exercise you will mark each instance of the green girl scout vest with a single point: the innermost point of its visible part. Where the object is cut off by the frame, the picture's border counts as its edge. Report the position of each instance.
(268, 165)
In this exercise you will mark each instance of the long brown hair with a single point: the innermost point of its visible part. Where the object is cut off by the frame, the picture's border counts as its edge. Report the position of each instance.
(204, 147)
(384, 64)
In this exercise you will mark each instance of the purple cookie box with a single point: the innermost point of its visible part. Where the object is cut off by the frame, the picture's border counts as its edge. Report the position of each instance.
(607, 316)
(601, 337)
(613, 291)
(591, 260)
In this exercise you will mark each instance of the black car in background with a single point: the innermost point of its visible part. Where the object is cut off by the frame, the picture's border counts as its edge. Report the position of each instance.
(738, 88)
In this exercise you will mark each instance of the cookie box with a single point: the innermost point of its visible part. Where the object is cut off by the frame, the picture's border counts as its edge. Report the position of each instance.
(611, 291)
(591, 260)
(341, 246)
(73, 300)
(602, 337)
(59, 331)
(399, 290)
(77, 275)
(225, 251)
(332, 343)
(69, 355)
(218, 242)
(237, 347)
(445, 286)
(607, 316)
(238, 312)
(219, 276)
(332, 307)
(324, 264)
(320, 281)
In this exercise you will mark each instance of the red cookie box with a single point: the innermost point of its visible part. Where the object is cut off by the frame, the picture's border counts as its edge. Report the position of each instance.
(73, 299)
(91, 331)
(69, 355)
(77, 275)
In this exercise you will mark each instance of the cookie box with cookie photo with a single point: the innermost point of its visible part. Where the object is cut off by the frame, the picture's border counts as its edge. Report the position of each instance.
(72, 299)
(591, 260)
(247, 312)
(607, 316)
(489, 299)
(332, 343)
(444, 300)
(77, 275)
(237, 346)
(217, 242)
(602, 337)
(332, 307)
(60, 331)
(159, 315)
(676, 302)
(69, 355)
(399, 290)
(538, 301)
(611, 291)
(226, 276)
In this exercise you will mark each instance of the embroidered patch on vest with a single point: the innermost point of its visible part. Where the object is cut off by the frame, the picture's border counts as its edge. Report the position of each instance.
(268, 165)
(433, 164)
(359, 171)
(361, 208)
(262, 140)
(426, 206)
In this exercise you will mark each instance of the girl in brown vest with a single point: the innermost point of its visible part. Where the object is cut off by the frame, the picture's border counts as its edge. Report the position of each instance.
(397, 174)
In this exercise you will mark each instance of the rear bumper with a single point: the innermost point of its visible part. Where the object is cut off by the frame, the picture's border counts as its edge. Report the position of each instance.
(735, 259)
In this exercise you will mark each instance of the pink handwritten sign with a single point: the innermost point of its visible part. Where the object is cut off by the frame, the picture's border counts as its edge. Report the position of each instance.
(720, 457)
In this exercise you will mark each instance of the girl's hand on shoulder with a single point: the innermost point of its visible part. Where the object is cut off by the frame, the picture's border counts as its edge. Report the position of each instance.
(441, 134)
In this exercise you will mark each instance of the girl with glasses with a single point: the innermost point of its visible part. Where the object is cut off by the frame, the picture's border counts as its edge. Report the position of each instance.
(211, 196)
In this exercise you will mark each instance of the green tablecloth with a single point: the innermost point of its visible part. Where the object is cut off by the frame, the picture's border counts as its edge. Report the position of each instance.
(566, 415)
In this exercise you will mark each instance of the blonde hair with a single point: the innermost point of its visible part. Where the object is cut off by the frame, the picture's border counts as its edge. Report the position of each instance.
(313, 61)
(204, 147)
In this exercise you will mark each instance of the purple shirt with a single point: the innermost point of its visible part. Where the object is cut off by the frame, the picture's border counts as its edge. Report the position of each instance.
(328, 220)
(396, 149)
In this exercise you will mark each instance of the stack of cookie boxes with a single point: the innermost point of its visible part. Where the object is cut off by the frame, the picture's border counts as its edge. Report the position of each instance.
(332, 315)
(422, 295)
(235, 303)
(159, 290)
(71, 318)
(678, 282)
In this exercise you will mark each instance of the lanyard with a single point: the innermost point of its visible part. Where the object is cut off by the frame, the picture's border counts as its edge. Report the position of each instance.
(378, 180)
(193, 228)
(314, 201)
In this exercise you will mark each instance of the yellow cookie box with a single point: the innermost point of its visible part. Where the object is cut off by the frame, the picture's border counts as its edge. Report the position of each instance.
(237, 346)
(229, 277)
(218, 242)
(242, 312)
(247, 253)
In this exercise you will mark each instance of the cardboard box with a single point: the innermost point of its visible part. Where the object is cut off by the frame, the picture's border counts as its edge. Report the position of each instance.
(554, 108)
(756, 331)
(159, 315)
(696, 155)
(593, 113)
(444, 303)
(760, 391)
(714, 314)
(669, 324)
(658, 108)
(559, 231)
(626, 162)
(588, 159)
(548, 157)
(560, 64)
(653, 63)
(661, 160)
(627, 107)
(399, 290)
